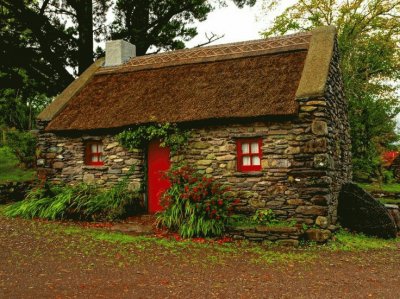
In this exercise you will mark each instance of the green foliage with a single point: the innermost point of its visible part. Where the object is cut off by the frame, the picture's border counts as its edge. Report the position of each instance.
(263, 216)
(76, 202)
(23, 145)
(9, 170)
(368, 38)
(195, 205)
(169, 134)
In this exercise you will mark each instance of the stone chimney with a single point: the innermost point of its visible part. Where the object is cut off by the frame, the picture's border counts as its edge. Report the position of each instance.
(119, 52)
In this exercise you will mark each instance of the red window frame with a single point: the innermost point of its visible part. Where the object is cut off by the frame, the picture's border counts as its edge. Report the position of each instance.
(240, 154)
(89, 154)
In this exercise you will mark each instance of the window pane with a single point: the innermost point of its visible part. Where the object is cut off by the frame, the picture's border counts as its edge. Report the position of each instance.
(254, 147)
(94, 158)
(246, 161)
(94, 148)
(256, 160)
(245, 148)
(100, 147)
(101, 158)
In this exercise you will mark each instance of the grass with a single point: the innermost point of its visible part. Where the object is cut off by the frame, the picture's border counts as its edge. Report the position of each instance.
(392, 201)
(394, 187)
(346, 241)
(9, 170)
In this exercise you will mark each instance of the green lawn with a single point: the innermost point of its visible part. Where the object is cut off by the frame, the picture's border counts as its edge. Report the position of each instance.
(9, 171)
(395, 187)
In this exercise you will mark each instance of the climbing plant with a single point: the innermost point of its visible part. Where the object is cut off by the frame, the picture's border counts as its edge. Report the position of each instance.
(169, 134)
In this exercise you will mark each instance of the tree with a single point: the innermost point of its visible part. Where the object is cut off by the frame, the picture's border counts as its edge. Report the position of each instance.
(46, 43)
(368, 38)
(162, 24)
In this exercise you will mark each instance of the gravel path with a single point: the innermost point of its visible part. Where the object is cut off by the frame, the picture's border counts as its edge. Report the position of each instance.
(53, 260)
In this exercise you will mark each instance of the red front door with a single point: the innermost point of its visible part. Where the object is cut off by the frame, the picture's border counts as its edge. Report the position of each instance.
(158, 163)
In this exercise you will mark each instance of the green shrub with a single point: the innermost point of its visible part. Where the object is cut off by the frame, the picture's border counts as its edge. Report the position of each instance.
(263, 216)
(195, 205)
(82, 201)
(23, 145)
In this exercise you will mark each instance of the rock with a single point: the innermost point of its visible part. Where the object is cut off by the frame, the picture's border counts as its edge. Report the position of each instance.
(256, 203)
(295, 202)
(204, 162)
(359, 211)
(308, 108)
(209, 170)
(292, 150)
(231, 165)
(322, 161)
(88, 178)
(201, 145)
(58, 165)
(276, 163)
(321, 221)
(40, 162)
(226, 158)
(288, 242)
(253, 235)
(277, 230)
(312, 210)
(318, 235)
(319, 127)
(134, 185)
(112, 145)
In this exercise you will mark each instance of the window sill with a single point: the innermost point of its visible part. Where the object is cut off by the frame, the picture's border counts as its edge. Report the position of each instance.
(94, 167)
(249, 174)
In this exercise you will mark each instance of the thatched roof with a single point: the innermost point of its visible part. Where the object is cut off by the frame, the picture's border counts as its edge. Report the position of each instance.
(240, 80)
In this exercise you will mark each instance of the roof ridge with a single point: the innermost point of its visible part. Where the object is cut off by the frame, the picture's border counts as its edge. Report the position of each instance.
(250, 41)
(215, 52)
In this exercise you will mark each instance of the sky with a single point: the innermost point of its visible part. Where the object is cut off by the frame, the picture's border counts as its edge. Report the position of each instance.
(236, 24)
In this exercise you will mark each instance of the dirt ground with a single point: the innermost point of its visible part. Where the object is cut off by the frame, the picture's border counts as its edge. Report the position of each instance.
(56, 260)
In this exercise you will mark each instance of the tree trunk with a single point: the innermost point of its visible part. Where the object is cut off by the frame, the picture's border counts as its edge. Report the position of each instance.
(84, 14)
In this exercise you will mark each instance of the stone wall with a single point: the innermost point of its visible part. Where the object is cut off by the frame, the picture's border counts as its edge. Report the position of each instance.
(14, 191)
(61, 159)
(305, 160)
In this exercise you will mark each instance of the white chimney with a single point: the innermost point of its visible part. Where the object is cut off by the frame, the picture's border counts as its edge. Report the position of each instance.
(119, 52)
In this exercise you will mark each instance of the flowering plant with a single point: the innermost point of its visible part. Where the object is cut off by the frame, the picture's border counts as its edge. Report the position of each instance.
(195, 205)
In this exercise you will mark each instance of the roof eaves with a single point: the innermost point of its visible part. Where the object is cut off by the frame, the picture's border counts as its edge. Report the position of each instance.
(62, 99)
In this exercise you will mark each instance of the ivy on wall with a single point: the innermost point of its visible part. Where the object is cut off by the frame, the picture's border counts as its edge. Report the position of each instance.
(169, 134)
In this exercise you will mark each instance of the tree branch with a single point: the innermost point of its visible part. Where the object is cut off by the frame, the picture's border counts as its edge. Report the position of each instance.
(210, 39)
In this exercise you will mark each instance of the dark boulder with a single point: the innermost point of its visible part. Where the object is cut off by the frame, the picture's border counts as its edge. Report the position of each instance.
(359, 211)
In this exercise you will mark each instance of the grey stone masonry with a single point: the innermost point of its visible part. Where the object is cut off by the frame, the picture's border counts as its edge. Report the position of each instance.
(61, 159)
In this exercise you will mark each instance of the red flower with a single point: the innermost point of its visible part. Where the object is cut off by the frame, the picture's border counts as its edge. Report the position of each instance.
(220, 202)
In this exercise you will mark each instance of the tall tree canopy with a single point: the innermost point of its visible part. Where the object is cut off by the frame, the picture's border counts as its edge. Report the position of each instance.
(46, 43)
(368, 37)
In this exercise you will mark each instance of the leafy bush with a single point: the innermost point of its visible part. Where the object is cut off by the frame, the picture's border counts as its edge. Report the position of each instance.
(169, 134)
(83, 201)
(263, 216)
(23, 145)
(195, 205)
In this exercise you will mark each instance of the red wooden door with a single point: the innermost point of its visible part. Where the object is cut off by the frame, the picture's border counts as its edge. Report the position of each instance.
(158, 163)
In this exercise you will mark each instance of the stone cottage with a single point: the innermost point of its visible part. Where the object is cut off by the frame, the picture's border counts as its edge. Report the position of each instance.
(268, 117)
